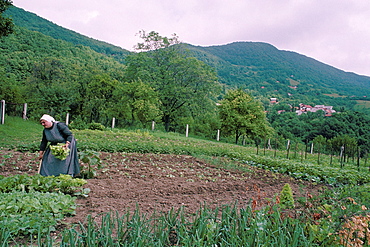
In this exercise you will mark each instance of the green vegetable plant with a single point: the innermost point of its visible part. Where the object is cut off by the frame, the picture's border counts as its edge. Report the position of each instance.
(59, 151)
(91, 162)
(286, 197)
(37, 183)
(29, 213)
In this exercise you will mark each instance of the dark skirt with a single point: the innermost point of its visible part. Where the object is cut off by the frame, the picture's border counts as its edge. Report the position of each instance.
(52, 166)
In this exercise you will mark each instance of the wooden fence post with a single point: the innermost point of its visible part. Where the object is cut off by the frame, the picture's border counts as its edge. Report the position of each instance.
(24, 114)
(187, 130)
(218, 135)
(269, 144)
(2, 110)
(113, 122)
(341, 156)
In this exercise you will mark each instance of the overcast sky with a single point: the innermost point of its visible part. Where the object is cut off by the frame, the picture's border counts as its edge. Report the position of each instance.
(335, 32)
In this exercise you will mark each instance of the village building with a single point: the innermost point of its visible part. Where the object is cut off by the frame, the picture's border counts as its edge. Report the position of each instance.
(307, 108)
(273, 101)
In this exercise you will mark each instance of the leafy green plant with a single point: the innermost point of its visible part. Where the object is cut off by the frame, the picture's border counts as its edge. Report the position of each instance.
(96, 126)
(59, 151)
(92, 160)
(37, 183)
(286, 197)
(29, 213)
(224, 226)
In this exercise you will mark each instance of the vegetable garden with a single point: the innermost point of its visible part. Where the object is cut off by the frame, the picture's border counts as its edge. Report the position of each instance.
(146, 188)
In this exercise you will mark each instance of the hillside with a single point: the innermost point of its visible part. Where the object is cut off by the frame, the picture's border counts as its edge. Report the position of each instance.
(33, 22)
(254, 65)
(259, 67)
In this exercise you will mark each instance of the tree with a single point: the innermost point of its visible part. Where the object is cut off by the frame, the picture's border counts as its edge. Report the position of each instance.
(137, 101)
(242, 115)
(6, 24)
(98, 98)
(184, 84)
(344, 143)
(11, 90)
(49, 91)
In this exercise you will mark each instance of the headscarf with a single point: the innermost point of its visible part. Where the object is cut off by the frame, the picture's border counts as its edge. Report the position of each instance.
(47, 118)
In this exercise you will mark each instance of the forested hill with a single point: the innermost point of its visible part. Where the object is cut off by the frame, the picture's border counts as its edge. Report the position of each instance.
(256, 66)
(33, 22)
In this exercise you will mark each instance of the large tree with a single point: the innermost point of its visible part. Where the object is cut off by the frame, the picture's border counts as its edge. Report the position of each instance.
(183, 83)
(136, 101)
(242, 115)
(6, 24)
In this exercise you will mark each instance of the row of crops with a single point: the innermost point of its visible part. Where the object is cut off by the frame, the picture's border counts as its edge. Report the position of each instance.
(32, 207)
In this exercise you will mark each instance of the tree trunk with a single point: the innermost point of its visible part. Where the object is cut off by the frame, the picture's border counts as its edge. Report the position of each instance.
(166, 119)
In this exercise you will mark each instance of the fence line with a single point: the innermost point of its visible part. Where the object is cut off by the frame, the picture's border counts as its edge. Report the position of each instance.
(343, 155)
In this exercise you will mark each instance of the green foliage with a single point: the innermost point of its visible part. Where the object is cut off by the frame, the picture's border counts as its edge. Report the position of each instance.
(311, 172)
(225, 226)
(91, 159)
(35, 204)
(184, 84)
(12, 91)
(140, 101)
(59, 75)
(255, 65)
(286, 197)
(56, 76)
(35, 212)
(37, 183)
(95, 126)
(237, 64)
(242, 115)
(6, 24)
(58, 70)
(59, 151)
(348, 129)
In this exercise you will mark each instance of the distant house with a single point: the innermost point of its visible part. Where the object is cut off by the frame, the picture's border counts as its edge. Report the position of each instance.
(307, 108)
(273, 101)
(327, 109)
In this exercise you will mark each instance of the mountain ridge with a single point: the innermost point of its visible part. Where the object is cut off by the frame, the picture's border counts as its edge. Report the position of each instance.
(256, 66)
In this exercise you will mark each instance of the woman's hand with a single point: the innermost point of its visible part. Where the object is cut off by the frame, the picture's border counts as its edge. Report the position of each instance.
(67, 144)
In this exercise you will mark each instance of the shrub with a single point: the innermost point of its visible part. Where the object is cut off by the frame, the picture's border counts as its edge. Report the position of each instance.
(96, 126)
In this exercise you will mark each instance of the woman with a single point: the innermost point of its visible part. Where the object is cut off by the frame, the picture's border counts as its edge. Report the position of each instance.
(57, 132)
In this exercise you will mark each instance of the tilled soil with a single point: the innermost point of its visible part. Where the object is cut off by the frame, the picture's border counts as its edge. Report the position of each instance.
(159, 182)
